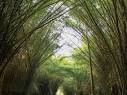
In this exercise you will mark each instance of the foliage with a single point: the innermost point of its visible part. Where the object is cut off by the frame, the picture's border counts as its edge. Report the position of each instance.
(102, 25)
(28, 42)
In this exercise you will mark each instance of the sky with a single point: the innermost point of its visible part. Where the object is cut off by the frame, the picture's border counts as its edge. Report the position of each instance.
(68, 40)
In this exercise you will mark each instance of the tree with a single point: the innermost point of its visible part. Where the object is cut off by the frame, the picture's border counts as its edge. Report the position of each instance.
(105, 23)
(29, 41)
